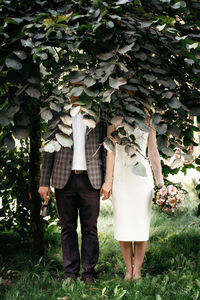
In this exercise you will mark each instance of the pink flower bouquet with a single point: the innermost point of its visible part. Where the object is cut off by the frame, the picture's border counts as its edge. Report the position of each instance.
(169, 198)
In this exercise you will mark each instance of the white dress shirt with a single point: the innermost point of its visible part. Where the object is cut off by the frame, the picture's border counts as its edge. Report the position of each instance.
(79, 133)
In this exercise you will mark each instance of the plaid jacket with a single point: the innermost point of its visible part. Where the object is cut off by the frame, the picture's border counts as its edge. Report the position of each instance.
(56, 167)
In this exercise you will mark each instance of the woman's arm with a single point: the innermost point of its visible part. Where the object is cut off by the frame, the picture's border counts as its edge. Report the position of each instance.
(106, 189)
(154, 157)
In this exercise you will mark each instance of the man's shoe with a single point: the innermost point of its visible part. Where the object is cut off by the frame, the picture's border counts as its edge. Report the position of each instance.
(89, 280)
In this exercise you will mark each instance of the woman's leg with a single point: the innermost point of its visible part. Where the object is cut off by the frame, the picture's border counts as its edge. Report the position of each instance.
(139, 252)
(127, 253)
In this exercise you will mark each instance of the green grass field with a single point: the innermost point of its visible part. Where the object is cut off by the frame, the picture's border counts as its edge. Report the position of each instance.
(171, 269)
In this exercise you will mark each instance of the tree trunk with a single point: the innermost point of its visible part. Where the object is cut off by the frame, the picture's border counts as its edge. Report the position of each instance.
(36, 223)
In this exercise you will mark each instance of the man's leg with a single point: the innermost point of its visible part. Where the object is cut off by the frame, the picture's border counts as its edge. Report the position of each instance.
(67, 203)
(89, 212)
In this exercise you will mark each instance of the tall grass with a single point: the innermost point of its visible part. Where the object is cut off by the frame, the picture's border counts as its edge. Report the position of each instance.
(171, 268)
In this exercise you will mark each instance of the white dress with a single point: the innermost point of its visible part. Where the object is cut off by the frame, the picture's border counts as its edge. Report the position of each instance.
(131, 193)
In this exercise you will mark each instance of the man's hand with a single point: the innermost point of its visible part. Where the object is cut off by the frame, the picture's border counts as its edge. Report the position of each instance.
(44, 192)
(106, 190)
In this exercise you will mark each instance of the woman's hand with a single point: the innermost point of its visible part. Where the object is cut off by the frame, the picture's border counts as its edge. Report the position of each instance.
(106, 190)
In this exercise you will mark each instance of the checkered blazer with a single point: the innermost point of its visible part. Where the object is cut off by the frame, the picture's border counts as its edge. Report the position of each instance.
(56, 167)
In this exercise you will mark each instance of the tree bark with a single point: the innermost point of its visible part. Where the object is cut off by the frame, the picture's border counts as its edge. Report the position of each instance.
(36, 240)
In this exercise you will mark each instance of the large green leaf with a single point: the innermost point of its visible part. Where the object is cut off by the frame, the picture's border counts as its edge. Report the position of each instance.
(13, 63)
(21, 132)
(115, 83)
(126, 48)
(64, 140)
(76, 76)
(109, 145)
(139, 169)
(9, 142)
(33, 92)
(105, 56)
(20, 54)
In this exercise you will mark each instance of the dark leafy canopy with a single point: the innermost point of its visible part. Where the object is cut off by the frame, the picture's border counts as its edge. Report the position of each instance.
(128, 53)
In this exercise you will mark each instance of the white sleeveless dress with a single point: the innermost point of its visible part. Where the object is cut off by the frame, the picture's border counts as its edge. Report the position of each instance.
(131, 193)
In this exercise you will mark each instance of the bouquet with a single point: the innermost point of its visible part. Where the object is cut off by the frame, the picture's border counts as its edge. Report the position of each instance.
(169, 197)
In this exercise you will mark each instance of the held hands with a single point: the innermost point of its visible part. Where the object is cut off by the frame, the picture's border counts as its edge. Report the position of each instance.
(106, 190)
(44, 192)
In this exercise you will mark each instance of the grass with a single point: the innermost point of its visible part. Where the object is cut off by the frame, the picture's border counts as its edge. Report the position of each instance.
(171, 268)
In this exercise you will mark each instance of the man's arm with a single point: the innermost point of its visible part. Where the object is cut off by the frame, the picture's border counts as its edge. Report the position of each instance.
(45, 175)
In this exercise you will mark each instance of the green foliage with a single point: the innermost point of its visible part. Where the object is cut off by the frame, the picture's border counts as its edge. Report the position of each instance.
(14, 187)
(129, 54)
(170, 269)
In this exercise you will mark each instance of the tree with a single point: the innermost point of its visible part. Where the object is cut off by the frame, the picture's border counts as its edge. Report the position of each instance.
(128, 53)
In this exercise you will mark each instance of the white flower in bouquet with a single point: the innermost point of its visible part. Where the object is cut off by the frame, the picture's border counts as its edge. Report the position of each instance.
(163, 191)
(172, 201)
(172, 190)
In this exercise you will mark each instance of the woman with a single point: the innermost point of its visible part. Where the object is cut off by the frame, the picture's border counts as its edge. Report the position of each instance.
(132, 193)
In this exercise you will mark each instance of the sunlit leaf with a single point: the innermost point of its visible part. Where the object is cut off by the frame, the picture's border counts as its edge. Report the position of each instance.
(110, 24)
(109, 145)
(139, 169)
(90, 123)
(160, 27)
(192, 46)
(75, 110)
(65, 129)
(67, 107)
(177, 163)
(67, 120)
(64, 140)
(119, 2)
(89, 112)
(52, 146)
(146, 24)
(48, 22)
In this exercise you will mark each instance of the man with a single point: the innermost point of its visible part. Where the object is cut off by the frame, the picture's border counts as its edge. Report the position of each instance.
(77, 174)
